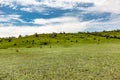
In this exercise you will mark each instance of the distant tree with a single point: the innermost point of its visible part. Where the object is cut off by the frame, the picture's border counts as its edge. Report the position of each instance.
(88, 35)
(104, 31)
(27, 41)
(53, 35)
(79, 32)
(98, 40)
(57, 41)
(63, 32)
(1, 40)
(88, 32)
(68, 38)
(76, 41)
(45, 43)
(9, 39)
(26, 35)
(94, 38)
(19, 36)
(117, 30)
(36, 35)
(33, 41)
(71, 41)
(15, 44)
(107, 36)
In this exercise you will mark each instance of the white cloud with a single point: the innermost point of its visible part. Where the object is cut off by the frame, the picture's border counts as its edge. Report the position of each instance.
(101, 5)
(113, 24)
(63, 27)
(15, 31)
(66, 24)
(27, 2)
(56, 20)
(10, 18)
(19, 2)
(27, 9)
(33, 9)
(112, 6)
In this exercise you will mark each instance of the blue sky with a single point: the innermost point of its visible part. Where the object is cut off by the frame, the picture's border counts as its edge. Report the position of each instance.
(26, 17)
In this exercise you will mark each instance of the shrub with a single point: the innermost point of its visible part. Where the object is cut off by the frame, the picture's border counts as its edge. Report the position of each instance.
(27, 41)
(57, 41)
(36, 35)
(17, 50)
(43, 43)
(33, 41)
(76, 41)
(53, 35)
(29, 46)
(15, 44)
(9, 39)
(40, 46)
(94, 38)
(71, 41)
(1, 40)
(19, 36)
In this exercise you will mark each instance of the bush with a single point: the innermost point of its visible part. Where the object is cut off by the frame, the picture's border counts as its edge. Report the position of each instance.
(29, 46)
(44, 43)
(40, 46)
(15, 44)
(17, 50)
(53, 35)
(19, 36)
(9, 39)
(94, 38)
(76, 41)
(36, 35)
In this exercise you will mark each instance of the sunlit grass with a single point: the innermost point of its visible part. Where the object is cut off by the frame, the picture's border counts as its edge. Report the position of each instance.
(77, 62)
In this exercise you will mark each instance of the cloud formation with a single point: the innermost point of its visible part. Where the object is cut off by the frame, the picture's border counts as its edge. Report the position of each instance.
(45, 16)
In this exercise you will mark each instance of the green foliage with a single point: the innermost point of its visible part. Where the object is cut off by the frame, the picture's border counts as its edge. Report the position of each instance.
(59, 39)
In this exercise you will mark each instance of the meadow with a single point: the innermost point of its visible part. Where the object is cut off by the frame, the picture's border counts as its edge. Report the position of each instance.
(66, 56)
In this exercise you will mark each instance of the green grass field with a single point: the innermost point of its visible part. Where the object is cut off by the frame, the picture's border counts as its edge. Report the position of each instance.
(63, 56)
(77, 62)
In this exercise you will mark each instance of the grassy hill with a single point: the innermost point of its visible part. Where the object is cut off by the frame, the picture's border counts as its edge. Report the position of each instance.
(61, 39)
(63, 56)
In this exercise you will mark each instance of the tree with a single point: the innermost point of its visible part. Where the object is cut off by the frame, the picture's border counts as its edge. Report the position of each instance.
(36, 35)
(19, 36)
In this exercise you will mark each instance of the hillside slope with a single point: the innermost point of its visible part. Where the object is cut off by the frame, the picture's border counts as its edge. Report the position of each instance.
(61, 39)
